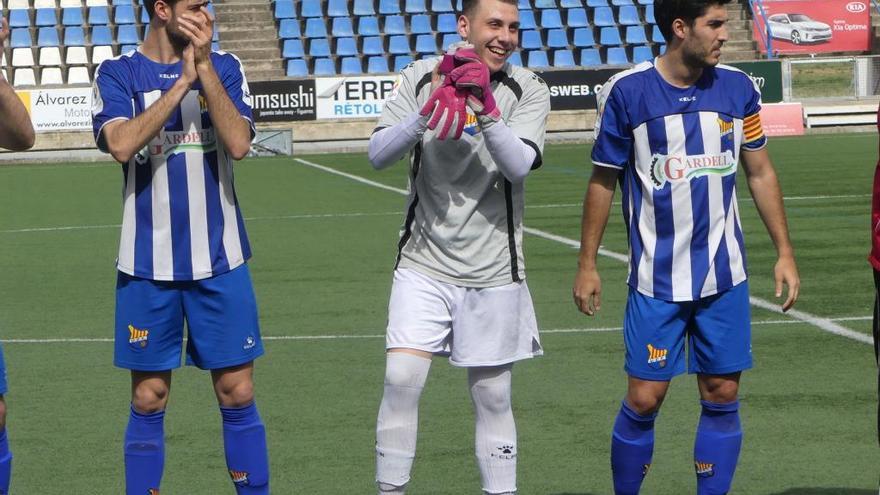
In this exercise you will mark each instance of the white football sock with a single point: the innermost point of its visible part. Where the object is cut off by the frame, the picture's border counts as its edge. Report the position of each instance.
(495, 429)
(398, 422)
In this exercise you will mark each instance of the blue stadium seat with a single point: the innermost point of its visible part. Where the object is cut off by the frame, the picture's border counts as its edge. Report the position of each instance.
(377, 65)
(563, 58)
(448, 39)
(530, 40)
(650, 18)
(324, 67)
(364, 7)
(311, 8)
(372, 45)
(351, 65)
(557, 38)
(527, 20)
(545, 4)
(388, 7)
(661, 49)
(315, 28)
(426, 43)
(368, 26)
(515, 59)
(537, 58)
(19, 18)
(71, 16)
(656, 35)
(338, 8)
(127, 48)
(583, 38)
(21, 38)
(571, 4)
(395, 24)
(577, 18)
(124, 14)
(420, 24)
(603, 17)
(293, 49)
(145, 16)
(297, 68)
(415, 7)
(46, 18)
(101, 35)
(48, 36)
(74, 36)
(610, 36)
(617, 56)
(524, 5)
(642, 54)
(440, 6)
(319, 47)
(447, 23)
(289, 29)
(618, 3)
(342, 27)
(99, 16)
(597, 3)
(551, 19)
(398, 45)
(635, 35)
(346, 47)
(628, 16)
(284, 9)
(401, 61)
(646, 2)
(128, 35)
(590, 57)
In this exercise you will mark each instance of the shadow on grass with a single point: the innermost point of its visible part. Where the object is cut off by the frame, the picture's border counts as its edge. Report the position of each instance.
(826, 491)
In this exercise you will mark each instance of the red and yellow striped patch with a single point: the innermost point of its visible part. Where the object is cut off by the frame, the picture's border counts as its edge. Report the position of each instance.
(752, 129)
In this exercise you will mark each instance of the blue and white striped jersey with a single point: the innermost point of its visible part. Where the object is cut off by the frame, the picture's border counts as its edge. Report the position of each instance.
(181, 219)
(678, 149)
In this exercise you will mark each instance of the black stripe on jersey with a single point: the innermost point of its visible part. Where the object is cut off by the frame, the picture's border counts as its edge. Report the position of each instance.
(411, 213)
(502, 78)
(539, 160)
(425, 80)
(511, 232)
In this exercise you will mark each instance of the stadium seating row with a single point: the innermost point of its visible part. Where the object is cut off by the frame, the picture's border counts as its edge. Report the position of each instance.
(288, 9)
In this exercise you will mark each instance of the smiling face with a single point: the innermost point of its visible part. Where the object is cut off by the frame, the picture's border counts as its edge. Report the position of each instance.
(492, 26)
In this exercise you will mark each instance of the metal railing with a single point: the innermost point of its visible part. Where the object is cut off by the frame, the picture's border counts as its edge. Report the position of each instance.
(757, 8)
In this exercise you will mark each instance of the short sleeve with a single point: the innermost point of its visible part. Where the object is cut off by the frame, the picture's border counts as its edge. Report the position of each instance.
(403, 100)
(754, 138)
(111, 99)
(613, 133)
(529, 119)
(235, 82)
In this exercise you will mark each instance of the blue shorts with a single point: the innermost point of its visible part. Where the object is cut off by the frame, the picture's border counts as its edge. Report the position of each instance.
(2, 372)
(717, 327)
(220, 314)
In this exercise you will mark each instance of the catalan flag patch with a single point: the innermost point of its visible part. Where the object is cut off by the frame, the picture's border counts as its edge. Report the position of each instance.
(704, 469)
(752, 129)
(239, 477)
(657, 357)
(137, 336)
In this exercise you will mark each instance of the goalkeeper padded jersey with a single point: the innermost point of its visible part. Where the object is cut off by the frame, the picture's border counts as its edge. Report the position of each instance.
(463, 220)
(181, 219)
(678, 149)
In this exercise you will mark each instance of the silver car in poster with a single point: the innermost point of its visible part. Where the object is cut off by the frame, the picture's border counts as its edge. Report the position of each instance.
(798, 28)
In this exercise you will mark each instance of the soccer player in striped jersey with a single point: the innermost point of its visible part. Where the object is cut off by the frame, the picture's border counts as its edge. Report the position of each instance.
(672, 131)
(16, 134)
(459, 284)
(176, 116)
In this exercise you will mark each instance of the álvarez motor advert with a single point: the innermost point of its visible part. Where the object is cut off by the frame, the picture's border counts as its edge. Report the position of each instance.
(814, 26)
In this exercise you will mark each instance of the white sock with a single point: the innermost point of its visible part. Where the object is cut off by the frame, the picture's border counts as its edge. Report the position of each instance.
(495, 429)
(398, 422)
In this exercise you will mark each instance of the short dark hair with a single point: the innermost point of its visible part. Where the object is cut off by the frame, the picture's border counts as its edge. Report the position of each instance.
(667, 11)
(150, 5)
(468, 6)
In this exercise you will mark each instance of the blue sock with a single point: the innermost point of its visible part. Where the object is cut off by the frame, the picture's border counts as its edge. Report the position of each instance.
(5, 463)
(144, 452)
(632, 447)
(247, 458)
(716, 449)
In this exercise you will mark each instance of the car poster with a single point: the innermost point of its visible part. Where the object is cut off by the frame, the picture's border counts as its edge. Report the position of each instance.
(814, 26)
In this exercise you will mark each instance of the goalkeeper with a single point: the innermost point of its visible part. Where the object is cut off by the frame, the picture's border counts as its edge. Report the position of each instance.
(473, 126)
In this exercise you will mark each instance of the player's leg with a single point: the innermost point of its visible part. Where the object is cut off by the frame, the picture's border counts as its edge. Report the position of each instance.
(224, 337)
(495, 429)
(654, 339)
(419, 323)
(5, 453)
(876, 328)
(720, 348)
(145, 434)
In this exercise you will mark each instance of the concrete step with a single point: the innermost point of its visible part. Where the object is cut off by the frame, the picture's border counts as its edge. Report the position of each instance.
(248, 18)
(237, 33)
(265, 75)
(244, 44)
(732, 55)
(736, 45)
(262, 64)
(260, 52)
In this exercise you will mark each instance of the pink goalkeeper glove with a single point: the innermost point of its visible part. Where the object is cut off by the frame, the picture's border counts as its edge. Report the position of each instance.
(474, 77)
(457, 55)
(446, 105)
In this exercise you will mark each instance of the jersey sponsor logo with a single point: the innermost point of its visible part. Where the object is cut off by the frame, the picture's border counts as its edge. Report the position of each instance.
(687, 99)
(170, 142)
(168, 76)
(471, 127)
(704, 469)
(681, 168)
(137, 336)
(239, 477)
(657, 357)
(506, 452)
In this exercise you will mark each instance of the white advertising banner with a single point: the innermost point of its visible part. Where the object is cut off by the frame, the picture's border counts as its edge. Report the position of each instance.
(353, 97)
(54, 110)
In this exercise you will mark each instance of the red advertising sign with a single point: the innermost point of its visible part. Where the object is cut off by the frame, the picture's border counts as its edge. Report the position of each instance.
(782, 119)
(814, 26)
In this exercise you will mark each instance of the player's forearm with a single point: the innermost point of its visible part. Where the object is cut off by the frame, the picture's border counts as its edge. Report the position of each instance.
(233, 129)
(597, 208)
(125, 139)
(511, 154)
(390, 144)
(16, 130)
(768, 199)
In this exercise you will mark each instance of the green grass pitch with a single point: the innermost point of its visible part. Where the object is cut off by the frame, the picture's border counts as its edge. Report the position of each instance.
(324, 247)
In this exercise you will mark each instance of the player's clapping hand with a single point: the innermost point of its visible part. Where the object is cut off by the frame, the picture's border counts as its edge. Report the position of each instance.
(587, 291)
(4, 32)
(786, 273)
(474, 77)
(447, 104)
(198, 27)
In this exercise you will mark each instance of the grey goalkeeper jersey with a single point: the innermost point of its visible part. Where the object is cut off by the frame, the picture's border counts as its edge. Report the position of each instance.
(463, 217)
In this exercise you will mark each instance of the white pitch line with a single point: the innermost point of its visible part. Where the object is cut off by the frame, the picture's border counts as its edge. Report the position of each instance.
(816, 321)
